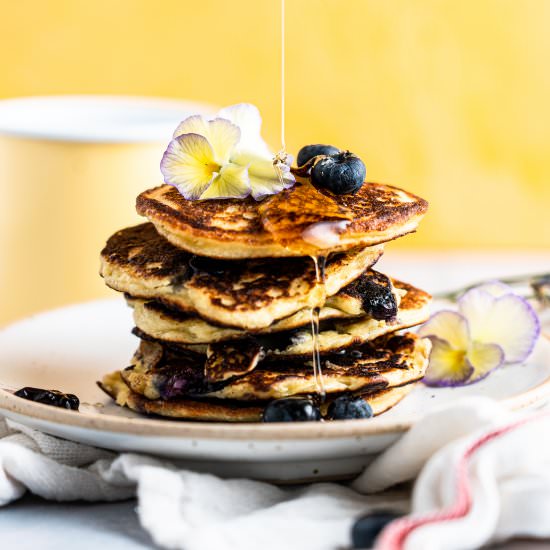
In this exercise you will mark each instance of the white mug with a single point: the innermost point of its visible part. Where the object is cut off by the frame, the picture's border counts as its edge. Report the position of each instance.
(70, 170)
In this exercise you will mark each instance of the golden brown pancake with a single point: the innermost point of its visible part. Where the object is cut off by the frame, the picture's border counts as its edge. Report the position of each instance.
(413, 310)
(248, 294)
(335, 333)
(245, 228)
(216, 410)
(391, 362)
(163, 323)
(387, 362)
(353, 301)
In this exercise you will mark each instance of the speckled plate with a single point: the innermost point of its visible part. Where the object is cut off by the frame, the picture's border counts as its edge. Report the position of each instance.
(70, 348)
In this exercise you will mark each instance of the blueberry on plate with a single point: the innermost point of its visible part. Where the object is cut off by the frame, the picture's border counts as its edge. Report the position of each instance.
(367, 528)
(347, 407)
(341, 173)
(291, 409)
(54, 398)
(306, 153)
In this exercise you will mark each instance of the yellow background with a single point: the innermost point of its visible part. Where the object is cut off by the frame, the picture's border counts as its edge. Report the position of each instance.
(450, 99)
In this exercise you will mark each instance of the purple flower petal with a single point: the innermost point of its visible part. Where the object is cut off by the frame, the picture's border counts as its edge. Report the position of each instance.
(507, 320)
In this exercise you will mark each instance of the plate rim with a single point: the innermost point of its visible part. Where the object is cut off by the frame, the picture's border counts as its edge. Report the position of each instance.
(147, 426)
(175, 428)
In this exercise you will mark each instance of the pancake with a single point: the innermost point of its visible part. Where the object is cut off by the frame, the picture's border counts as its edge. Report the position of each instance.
(170, 365)
(386, 362)
(393, 362)
(162, 323)
(354, 300)
(335, 334)
(272, 228)
(414, 309)
(248, 294)
(222, 410)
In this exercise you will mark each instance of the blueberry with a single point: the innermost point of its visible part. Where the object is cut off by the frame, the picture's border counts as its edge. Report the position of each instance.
(341, 173)
(291, 409)
(54, 398)
(349, 406)
(378, 299)
(181, 381)
(366, 529)
(306, 153)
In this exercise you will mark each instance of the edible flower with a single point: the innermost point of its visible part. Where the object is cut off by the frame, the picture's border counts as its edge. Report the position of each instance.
(492, 326)
(224, 157)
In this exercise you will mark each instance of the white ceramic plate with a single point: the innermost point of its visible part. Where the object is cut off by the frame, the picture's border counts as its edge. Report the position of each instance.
(69, 349)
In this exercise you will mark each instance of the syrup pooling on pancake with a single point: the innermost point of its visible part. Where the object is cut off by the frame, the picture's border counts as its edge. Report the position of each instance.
(289, 214)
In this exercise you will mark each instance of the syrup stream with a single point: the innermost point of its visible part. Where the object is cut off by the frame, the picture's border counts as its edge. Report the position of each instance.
(283, 144)
(281, 157)
(319, 262)
(279, 161)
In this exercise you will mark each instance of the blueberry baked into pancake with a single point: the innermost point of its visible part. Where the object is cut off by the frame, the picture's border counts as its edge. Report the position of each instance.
(252, 284)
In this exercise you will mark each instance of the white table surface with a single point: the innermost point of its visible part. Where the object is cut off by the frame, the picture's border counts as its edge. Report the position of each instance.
(35, 524)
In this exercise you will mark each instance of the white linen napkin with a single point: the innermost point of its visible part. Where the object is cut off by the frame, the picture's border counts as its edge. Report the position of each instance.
(483, 475)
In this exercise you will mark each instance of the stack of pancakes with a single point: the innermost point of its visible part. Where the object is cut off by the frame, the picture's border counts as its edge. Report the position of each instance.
(223, 292)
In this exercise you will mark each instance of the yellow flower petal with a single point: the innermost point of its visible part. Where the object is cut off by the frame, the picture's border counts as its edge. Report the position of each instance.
(223, 137)
(231, 182)
(450, 326)
(484, 358)
(259, 165)
(195, 124)
(507, 320)
(264, 179)
(188, 164)
(448, 366)
(261, 187)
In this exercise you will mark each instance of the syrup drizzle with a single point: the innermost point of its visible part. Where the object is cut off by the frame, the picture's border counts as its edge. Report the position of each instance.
(280, 159)
(319, 262)
(283, 144)
(280, 164)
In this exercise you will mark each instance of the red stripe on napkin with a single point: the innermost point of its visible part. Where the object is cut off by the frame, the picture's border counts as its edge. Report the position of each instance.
(393, 537)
